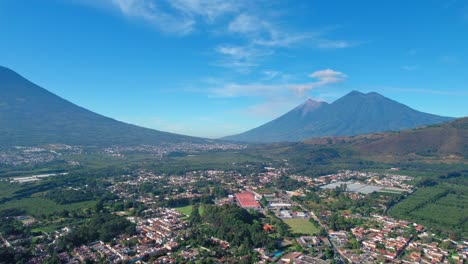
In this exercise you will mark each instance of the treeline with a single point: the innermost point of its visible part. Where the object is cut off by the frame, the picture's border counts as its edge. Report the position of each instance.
(288, 184)
(12, 227)
(102, 227)
(242, 229)
(68, 196)
(91, 178)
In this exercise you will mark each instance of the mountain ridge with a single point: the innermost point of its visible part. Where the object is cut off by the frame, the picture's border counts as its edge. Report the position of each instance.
(447, 141)
(32, 115)
(353, 114)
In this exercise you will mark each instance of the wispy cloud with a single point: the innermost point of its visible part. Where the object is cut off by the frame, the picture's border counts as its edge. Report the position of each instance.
(410, 67)
(333, 44)
(256, 34)
(247, 24)
(264, 34)
(324, 77)
(208, 9)
(153, 13)
(241, 58)
(178, 17)
(448, 59)
(271, 108)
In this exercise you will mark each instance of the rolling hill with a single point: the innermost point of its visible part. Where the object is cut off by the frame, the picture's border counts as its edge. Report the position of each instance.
(353, 114)
(31, 115)
(442, 141)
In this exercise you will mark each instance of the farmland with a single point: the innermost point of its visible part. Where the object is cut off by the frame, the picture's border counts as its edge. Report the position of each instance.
(431, 205)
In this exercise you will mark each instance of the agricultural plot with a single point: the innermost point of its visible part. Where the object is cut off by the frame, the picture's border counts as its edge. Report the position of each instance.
(430, 206)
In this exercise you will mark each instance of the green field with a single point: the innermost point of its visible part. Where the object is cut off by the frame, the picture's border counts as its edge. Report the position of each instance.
(301, 226)
(37, 206)
(187, 210)
(390, 190)
(8, 189)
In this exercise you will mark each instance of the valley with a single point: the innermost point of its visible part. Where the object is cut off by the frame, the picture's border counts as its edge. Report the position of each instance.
(313, 186)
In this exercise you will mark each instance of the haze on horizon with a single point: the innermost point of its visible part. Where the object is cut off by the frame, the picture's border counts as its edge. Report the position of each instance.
(213, 68)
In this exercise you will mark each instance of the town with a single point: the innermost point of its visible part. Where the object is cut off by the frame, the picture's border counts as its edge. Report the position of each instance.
(312, 220)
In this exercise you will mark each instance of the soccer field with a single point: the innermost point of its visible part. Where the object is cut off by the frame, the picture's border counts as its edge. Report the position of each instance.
(302, 226)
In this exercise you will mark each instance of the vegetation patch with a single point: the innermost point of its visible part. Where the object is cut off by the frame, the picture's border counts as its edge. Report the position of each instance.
(38, 206)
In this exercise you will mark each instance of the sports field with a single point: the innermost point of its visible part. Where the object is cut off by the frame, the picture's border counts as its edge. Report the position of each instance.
(301, 226)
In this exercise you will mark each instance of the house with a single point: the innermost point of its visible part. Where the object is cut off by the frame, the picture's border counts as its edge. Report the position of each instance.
(290, 257)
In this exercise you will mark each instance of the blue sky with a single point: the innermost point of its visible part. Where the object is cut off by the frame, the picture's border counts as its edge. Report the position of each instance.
(213, 68)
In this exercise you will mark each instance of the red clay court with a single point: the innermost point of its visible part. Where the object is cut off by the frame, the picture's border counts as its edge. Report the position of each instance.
(247, 200)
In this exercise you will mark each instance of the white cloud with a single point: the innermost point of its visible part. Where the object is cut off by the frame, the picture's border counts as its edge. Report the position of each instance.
(324, 77)
(328, 76)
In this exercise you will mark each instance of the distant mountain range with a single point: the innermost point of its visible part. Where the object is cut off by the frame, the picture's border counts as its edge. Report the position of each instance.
(31, 115)
(353, 114)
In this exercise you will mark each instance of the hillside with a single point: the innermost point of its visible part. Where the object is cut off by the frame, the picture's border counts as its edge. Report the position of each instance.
(31, 115)
(443, 141)
(353, 114)
(448, 140)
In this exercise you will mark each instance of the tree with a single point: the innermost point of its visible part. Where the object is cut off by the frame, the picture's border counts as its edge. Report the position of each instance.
(328, 254)
(195, 217)
(99, 206)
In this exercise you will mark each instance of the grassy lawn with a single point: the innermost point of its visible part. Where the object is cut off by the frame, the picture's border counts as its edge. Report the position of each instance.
(187, 210)
(301, 226)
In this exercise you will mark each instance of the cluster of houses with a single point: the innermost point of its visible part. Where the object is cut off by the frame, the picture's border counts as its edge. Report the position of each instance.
(160, 150)
(370, 180)
(420, 251)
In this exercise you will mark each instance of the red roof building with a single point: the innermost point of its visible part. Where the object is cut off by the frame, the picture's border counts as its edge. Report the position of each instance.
(247, 200)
